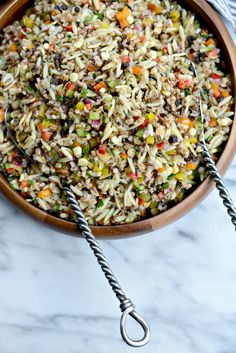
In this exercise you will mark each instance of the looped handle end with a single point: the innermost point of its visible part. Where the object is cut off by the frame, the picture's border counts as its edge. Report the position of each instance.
(147, 333)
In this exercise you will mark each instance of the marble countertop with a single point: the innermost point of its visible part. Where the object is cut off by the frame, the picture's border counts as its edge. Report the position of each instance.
(54, 298)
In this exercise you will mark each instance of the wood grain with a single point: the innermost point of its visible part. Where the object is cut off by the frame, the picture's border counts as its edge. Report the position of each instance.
(14, 8)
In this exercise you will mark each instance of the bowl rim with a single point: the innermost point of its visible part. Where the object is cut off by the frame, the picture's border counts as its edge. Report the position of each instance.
(204, 11)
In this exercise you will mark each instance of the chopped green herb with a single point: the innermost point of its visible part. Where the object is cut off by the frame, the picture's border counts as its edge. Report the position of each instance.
(29, 89)
(187, 91)
(99, 15)
(165, 186)
(31, 182)
(205, 93)
(86, 150)
(100, 204)
(89, 19)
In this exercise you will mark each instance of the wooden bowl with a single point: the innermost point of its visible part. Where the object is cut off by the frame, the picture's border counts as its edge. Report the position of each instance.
(10, 10)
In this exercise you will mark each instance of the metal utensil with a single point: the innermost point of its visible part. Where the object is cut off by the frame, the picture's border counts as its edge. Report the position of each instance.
(126, 306)
(211, 166)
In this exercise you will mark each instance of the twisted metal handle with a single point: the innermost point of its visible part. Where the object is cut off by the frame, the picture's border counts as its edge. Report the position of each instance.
(126, 305)
(223, 192)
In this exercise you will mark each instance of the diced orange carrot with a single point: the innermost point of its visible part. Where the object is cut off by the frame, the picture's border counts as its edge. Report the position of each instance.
(210, 41)
(142, 38)
(129, 36)
(212, 122)
(10, 170)
(92, 68)
(44, 194)
(54, 13)
(99, 86)
(89, 106)
(191, 166)
(216, 93)
(184, 121)
(24, 184)
(160, 170)
(137, 70)
(76, 143)
(2, 115)
(46, 135)
(224, 94)
(52, 46)
(122, 17)
(41, 126)
(215, 88)
(154, 8)
(13, 154)
(12, 47)
(123, 155)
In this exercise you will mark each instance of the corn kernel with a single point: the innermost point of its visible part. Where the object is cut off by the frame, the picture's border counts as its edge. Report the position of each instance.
(193, 140)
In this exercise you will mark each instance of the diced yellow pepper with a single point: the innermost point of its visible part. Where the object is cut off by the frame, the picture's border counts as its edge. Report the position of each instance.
(150, 140)
(42, 110)
(96, 168)
(174, 15)
(180, 176)
(140, 180)
(193, 140)
(28, 22)
(105, 172)
(80, 106)
(150, 116)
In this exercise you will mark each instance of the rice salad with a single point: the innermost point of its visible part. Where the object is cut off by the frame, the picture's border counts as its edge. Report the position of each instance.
(100, 97)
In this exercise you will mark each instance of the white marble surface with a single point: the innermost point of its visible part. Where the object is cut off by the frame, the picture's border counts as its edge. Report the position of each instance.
(54, 298)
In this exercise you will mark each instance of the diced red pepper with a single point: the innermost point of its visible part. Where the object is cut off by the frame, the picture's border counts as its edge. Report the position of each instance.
(10, 170)
(215, 76)
(102, 149)
(70, 86)
(21, 36)
(160, 145)
(69, 28)
(46, 135)
(125, 59)
(161, 195)
(145, 123)
(142, 38)
(135, 117)
(141, 201)
(24, 184)
(183, 84)
(132, 175)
